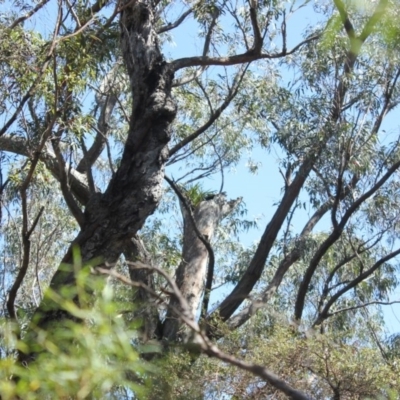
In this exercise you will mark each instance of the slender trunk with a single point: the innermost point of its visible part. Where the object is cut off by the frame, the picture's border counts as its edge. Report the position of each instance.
(192, 271)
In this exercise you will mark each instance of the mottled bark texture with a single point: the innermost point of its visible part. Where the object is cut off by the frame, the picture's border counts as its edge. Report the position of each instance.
(144, 302)
(192, 271)
(135, 190)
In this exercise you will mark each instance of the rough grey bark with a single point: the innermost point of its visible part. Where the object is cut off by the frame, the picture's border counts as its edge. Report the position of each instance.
(146, 308)
(135, 190)
(192, 271)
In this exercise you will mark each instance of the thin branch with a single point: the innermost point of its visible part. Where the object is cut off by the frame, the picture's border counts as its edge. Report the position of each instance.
(74, 15)
(42, 70)
(333, 237)
(235, 59)
(28, 14)
(324, 314)
(175, 24)
(234, 15)
(26, 231)
(187, 79)
(188, 152)
(381, 303)
(232, 93)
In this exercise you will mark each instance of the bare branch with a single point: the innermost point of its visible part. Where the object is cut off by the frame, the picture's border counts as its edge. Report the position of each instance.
(175, 24)
(236, 59)
(370, 303)
(28, 14)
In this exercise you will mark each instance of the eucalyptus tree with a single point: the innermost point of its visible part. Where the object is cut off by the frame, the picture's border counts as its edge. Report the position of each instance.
(94, 111)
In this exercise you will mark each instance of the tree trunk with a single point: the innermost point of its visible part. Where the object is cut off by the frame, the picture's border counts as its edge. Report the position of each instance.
(192, 271)
(135, 190)
(145, 304)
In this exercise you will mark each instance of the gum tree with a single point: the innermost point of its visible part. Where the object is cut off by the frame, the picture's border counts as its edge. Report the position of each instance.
(94, 112)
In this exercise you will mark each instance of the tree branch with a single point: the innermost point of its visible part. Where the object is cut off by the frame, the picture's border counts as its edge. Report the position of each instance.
(26, 231)
(175, 24)
(28, 14)
(235, 59)
(258, 41)
(186, 205)
(78, 182)
(324, 314)
(294, 255)
(106, 99)
(348, 26)
(333, 237)
(65, 187)
(214, 116)
(38, 79)
(381, 303)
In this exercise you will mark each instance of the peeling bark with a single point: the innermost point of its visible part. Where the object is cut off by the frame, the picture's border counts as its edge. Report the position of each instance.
(192, 271)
